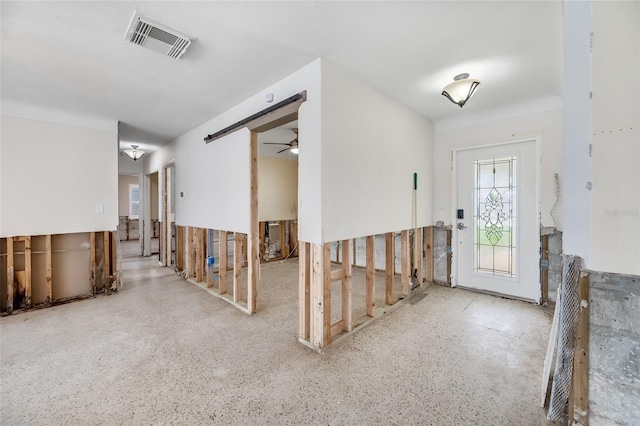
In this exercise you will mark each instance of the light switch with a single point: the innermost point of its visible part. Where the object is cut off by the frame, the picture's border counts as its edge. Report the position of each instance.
(99, 208)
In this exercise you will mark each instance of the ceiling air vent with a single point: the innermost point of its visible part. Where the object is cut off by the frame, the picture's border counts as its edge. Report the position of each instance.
(149, 33)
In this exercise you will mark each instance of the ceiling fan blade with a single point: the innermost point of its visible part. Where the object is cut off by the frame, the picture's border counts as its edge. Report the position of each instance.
(275, 143)
(283, 150)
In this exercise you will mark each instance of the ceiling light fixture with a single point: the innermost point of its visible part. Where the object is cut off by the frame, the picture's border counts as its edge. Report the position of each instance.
(461, 89)
(294, 150)
(134, 153)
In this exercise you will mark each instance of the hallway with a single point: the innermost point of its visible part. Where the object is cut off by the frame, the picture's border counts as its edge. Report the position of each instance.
(164, 351)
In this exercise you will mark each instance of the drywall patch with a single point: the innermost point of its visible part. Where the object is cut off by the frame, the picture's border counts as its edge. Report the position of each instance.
(614, 348)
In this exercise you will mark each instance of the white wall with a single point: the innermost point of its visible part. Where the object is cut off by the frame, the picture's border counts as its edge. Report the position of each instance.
(154, 161)
(547, 125)
(54, 176)
(277, 188)
(577, 128)
(214, 189)
(371, 147)
(197, 163)
(615, 162)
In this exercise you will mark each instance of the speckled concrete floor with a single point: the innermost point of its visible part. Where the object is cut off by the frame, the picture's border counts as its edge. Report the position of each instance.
(164, 351)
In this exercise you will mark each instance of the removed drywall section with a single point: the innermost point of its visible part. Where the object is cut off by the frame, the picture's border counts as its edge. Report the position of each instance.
(371, 147)
(69, 272)
(554, 273)
(57, 178)
(547, 125)
(442, 255)
(614, 349)
(615, 151)
(277, 189)
(71, 261)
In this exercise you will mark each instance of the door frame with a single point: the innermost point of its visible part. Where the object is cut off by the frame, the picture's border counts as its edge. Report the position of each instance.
(166, 176)
(146, 216)
(454, 199)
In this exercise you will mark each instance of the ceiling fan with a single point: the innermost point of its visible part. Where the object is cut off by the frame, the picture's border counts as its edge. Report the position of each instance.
(292, 144)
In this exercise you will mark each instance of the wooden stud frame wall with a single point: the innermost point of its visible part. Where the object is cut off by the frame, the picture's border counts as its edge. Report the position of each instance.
(316, 274)
(192, 252)
(246, 246)
(103, 268)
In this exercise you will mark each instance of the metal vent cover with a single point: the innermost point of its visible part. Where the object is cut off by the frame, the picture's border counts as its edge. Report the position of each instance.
(153, 35)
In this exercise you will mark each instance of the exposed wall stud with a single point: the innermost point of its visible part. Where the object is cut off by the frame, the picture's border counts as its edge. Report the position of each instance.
(262, 227)
(209, 251)
(92, 261)
(317, 295)
(419, 254)
(27, 271)
(253, 255)
(371, 276)
(11, 277)
(200, 242)
(180, 248)
(404, 262)
(580, 385)
(390, 267)
(106, 250)
(326, 293)
(222, 268)
(428, 254)
(114, 257)
(346, 287)
(237, 267)
(191, 258)
(304, 290)
(48, 270)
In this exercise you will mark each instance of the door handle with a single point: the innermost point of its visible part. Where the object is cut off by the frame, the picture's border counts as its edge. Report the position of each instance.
(461, 226)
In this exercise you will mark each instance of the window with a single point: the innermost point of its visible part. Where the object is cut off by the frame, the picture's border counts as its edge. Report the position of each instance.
(134, 201)
(495, 216)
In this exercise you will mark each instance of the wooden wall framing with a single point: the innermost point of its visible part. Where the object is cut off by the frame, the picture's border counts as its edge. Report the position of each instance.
(287, 236)
(194, 246)
(34, 270)
(317, 273)
(193, 249)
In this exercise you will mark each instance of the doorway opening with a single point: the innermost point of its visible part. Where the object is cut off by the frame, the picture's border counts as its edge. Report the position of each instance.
(129, 214)
(278, 192)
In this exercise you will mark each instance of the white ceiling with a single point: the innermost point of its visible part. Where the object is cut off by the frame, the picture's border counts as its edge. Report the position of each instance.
(71, 59)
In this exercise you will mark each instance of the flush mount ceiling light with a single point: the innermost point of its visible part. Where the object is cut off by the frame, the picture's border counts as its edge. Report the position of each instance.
(134, 153)
(461, 89)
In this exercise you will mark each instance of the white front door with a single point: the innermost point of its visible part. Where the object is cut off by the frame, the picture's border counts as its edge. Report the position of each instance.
(496, 226)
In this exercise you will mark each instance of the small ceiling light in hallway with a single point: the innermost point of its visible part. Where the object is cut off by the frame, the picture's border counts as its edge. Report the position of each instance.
(461, 89)
(134, 153)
